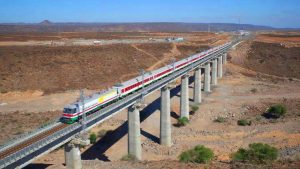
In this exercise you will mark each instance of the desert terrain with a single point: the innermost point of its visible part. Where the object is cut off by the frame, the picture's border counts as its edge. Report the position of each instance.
(36, 82)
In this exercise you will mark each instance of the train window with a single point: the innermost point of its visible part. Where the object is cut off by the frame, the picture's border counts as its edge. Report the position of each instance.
(66, 110)
(69, 111)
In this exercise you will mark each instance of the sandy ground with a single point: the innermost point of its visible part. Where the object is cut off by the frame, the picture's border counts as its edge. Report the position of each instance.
(242, 93)
(33, 93)
(43, 36)
(81, 42)
(31, 101)
(287, 39)
(231, 99)
(53, 69)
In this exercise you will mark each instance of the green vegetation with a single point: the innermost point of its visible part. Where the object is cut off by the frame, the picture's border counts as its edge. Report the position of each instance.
(194, 108)
(258, 153)
(220, 119)
(276, 111)
(128, 157)
(182, 121)
(198, 154)
(253, 90)
(93, 138)
(27, 114)
(258, 118)
(244, 122)
(3, 91)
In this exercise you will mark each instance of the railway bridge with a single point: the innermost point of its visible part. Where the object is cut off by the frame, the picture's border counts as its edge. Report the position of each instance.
(23, 151)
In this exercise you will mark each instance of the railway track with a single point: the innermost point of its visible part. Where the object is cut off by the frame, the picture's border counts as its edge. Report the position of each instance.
(34, 139)
(25, 152)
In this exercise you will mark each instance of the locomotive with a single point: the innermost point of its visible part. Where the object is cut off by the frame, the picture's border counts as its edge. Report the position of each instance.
(95, 102)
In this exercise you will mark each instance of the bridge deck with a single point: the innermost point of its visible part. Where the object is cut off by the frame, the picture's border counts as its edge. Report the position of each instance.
(23, 153)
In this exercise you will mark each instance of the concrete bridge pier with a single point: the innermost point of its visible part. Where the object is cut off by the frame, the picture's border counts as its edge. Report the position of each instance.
(214, 72)
(72, 156)
(207, 77)
(165, 118)
(197, 86)
(134, 132)
(184, 97)
(220, 65)
(72, 151)
(224, 62)
(225, 58)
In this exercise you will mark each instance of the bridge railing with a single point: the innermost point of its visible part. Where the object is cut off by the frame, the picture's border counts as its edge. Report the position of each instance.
(27, 135)
(151, 88)
(27, 154)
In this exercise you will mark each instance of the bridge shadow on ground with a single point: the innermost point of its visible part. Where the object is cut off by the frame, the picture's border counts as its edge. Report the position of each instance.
(37, 166)
(150, 136)
(97, 150)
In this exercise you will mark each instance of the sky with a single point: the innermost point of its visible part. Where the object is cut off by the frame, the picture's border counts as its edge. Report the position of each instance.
(276, 13)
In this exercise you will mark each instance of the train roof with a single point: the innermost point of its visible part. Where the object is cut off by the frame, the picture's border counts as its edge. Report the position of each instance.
(70, 106)
(134, 80)
(91, 97)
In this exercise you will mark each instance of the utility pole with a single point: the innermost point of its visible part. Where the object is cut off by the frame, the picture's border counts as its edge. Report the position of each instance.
(142, 73)
(82, 137)
(208, 29)
(173, 65)
(83, 120)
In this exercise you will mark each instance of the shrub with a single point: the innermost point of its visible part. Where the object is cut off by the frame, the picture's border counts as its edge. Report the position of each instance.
(253, 90)
(128, 157)
(258, 118)
(220, 119)
(276, 111)
(244, 122)
(3, 91)
(194, 108)
(182, 121)
(257, 153)
(93, 138)
(198, 154)
(27, 114)
(81, 146)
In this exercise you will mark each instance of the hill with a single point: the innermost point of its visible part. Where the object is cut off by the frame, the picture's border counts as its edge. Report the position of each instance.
(46, 22)
(47, 26)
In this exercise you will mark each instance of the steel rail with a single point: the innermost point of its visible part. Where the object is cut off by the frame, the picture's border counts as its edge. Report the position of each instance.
(29, 153)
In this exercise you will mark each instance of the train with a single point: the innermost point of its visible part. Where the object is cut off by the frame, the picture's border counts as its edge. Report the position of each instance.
(90, 104)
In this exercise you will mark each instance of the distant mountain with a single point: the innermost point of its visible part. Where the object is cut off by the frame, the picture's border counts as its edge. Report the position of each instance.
(47, 26)
(45, 22)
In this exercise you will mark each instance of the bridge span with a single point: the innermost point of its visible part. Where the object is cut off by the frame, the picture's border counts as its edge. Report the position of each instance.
(24, 151)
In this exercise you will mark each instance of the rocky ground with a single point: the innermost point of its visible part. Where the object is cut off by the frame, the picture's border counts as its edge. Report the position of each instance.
(232, 99)
(243, 93)
(270, 58)
(223, 138)
(37, 81)
(52, 69)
